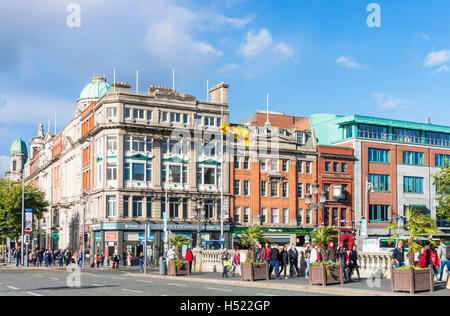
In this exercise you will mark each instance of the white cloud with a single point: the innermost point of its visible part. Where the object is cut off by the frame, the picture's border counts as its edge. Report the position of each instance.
(388, 102)
(437, 58)
(256, 43)
(348, 62)
(284, 49)
(443, 68)
(425, 36)
(235, 22)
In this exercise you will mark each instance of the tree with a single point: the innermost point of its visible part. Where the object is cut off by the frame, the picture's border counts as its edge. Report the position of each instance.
(323, 236)
(249, 238)
(179, 241)
(11, 206)
(417, 225)
(442, 183)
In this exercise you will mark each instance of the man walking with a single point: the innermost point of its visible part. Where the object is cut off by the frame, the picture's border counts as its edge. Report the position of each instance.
(293, 261)
(331, 254)
(274, 255)
(399, 255)
(444, 258)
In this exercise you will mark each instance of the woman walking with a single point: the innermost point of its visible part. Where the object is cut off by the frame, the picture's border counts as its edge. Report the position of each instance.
(236, 261)
(189, 258)
(284, 261)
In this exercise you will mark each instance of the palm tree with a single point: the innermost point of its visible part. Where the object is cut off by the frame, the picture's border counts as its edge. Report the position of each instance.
(250, 237)
(323, 236)
(417, 225)
(179, 241)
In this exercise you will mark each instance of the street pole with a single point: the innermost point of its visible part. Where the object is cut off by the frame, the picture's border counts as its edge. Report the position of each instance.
(145, 247)
(23, 217)
(166, 208)
(222, 182)
(84, 231)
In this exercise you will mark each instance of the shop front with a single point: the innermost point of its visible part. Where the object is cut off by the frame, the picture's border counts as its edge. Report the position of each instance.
(277, 235)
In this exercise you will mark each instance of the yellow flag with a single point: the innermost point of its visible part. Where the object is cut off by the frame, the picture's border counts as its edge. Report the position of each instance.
(241, 134)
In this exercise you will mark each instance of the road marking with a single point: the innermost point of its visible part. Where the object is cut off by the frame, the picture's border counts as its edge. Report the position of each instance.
(53, 279)
(265, 294)
(12, 287)
(115, 278)
(97, 285)
(217, 289)
(126, 290)
(174, 284)
(34, 294)
(38, 276)
(145, 281)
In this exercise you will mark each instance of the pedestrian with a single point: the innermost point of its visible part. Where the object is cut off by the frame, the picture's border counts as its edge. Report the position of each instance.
(258, 252)
(102, 259)
(265, 253)
(80, 258)
(128, 259)
(236, 261)
(284, 261)
(98, 260)
(116, 259)
(342, 258)
(398, 255)
(274, 255)
(172, 254)
(425, 258)
(293, 261)
(61, 258)
(17, 257)
(189, 258)
(434, 260)
(40, 257)
(353, 263)
(68, 257)
(141, 262)
(46, 258)
(444, 257)
(331, 254)
(225, 263)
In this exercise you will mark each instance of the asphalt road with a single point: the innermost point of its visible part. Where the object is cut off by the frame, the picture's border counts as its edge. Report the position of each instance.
(18, 282)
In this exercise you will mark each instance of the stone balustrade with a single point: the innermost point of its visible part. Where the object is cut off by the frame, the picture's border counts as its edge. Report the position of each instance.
(369, 263)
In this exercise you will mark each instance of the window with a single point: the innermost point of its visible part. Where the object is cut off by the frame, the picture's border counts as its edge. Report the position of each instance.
(127, 113)
(246, 188)
(441, 160)
(335, 215)
(138, 172)
(208, 175)
(185, 118)
(137, 206)
(299, 217)
(284, 189)
(14, 165)
(264, 215)
(299, 166)
(165, 116)
(299, 190)
(138, 143)
(308, 216)
(412, 185)
(439, 139)
(274, 189)
(111, 210)
(327, 166)
(275, 216)
(209, 121)
(111, 112)
(149, 207)
(237, 213)
(99, 174)
(378, 155)
(372, 131)
(174, 205)
(246, 163)
(308, 188)
(380, 182)
(174, 147)
(285, 165)
(198, 120)
(263, 188)
(379, 213)
(236, 162)
(407, 135)
(344, 216)
(209, 208)
(413, 158)
(237, 187)
(344, 168)
(138, 114)
(273, 165)
(111, 171)
(125, 206)
(285, 215)
(263, 164)
(308, 167)
(175, 118)
(246, 214)
(300, 138)
(126, 171)
(348, 131)
(111, 143)
(178, 173)
(335, 167)
(149, 115)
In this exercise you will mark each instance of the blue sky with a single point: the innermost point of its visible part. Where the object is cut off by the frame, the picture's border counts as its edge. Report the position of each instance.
(311, 56)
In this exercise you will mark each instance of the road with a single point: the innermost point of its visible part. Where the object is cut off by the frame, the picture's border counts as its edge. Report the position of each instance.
(15, 282)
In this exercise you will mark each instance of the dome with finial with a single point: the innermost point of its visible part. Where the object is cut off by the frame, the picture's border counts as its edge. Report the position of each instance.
(95, 89)
(19, 147)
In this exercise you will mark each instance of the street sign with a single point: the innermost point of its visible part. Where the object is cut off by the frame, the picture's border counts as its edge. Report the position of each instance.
(28, 231)
(27, 239)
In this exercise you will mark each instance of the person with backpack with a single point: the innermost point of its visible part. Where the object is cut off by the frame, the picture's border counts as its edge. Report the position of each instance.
(225, 263)
(274, 257)
(444, 256)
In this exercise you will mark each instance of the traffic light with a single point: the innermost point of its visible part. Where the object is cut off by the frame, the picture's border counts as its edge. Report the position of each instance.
(85, 237)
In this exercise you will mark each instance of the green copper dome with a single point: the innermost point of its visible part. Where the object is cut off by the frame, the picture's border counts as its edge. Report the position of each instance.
(19, 147)
(95, 89)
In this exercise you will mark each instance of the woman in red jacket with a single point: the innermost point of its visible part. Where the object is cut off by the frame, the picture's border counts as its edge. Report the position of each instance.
(189, 258)
(434, 259)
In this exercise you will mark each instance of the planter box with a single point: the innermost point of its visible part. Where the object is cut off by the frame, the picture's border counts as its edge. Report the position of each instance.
(319, 275)
(174, 271)
(249, 272)
(412, 280)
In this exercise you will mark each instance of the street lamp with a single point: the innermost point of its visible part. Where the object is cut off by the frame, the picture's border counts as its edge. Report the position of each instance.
(23, 221)
(320, 199)
(200, 215)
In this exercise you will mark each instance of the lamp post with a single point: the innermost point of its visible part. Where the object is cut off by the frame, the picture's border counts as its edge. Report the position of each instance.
(370, 188)
(200, 215)
(320, 199)
(23, 221)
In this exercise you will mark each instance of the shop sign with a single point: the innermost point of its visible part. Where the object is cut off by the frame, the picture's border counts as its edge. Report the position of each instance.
(111, 236)
(109, 226)
(98, 237)
(278, 230)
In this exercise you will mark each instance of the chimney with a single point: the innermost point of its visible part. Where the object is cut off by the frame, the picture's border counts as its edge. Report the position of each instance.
(219, 93)
(428, 121)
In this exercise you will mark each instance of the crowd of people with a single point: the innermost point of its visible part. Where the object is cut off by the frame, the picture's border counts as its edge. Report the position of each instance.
(287, 256)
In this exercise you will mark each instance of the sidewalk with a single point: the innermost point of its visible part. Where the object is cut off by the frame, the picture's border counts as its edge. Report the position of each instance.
(354, 288)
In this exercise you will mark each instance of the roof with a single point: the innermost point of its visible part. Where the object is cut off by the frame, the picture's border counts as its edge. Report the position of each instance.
(19, 147)
(95, 89)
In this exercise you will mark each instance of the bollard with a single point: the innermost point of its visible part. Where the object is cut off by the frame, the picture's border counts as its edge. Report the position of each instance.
(162, 266)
